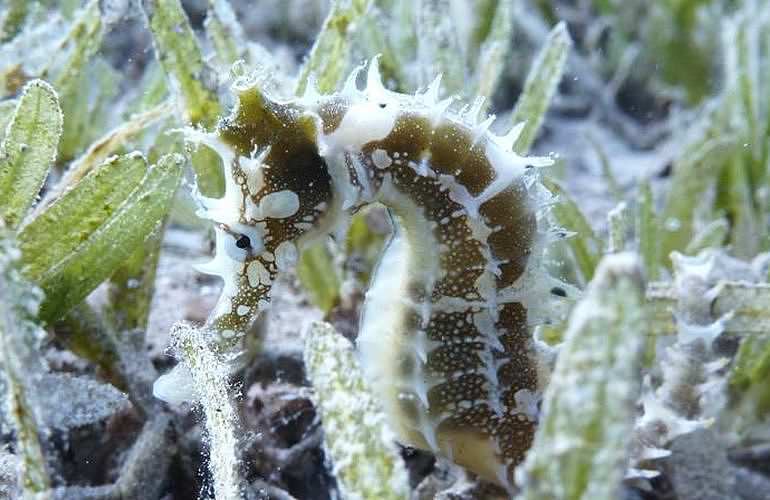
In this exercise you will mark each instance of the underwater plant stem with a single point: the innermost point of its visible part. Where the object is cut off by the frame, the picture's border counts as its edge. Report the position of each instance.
(144, 469)
(209, 373)
(21, 366)
(617, 219)
(328, 58)
(356, 438)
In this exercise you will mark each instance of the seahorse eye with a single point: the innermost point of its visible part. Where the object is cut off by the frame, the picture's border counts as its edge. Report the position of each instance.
(243, 242)
(559, 291)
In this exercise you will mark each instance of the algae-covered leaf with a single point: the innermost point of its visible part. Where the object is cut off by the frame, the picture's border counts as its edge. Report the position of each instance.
(21, 368)
(62, 227)
(107, 241)
(694, 170)
(487, 13)
(742, 61)
(693, 173)
(647, 231)
(328, 58)
(133, 285)
(82, 42)
(747, 230)
(181, 58)
(84, 332)
(357, 440)
(607, 172)
(439, 48)
(617, 224)
(225, 32)
(584, 244)
(319, 275)
(113, 140)
(202, 375)
(390, 29)
(80, 85)
(540, 86)
(377, 34)
(712, 235)
(364, 245)
(12, 20)
(495, 48)
(28, 149)
(589, 406)
(748, 378)
(7, 108)
(152, 89)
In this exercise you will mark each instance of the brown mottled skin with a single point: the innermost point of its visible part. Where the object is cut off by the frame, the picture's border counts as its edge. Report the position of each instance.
(294, 164)
(466, 422)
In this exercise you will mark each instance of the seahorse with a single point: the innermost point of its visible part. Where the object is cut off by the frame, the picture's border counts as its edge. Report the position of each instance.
(444, 336)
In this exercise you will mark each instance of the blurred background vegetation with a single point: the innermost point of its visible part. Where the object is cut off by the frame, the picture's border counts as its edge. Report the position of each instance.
(659, 115)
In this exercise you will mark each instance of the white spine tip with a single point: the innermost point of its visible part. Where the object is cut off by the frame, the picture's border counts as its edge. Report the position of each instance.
(432, 92)
(374, 84)
(351, 86)
(311, 94)
(540, 161)
(471, 115)
(482, 128)
(508, 140)
(438, 110)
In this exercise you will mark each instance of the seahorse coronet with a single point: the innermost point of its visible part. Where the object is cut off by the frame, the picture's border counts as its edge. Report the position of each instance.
(445, 336)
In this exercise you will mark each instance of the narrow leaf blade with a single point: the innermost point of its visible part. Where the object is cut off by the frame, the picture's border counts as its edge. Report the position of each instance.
(319, 275)
(180, 55)
(373, 469)
(584, 245)
(69, 281)
(328, 58)
(28, 149)
(648, 231)
(181, 58)
(64, 226)
(540, 86)
(495, 49)
(21, 368)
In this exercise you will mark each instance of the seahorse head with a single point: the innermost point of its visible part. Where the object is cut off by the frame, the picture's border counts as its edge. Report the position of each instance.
(277, 192)
(280, 189)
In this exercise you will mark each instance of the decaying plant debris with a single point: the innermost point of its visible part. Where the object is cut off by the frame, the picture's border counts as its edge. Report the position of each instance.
(658, 114)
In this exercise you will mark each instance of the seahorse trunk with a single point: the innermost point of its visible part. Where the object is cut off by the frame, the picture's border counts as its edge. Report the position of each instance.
(451, 361)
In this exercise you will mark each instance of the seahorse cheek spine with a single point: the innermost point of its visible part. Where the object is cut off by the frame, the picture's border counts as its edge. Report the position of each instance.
(444, 336)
